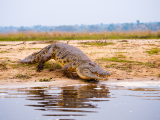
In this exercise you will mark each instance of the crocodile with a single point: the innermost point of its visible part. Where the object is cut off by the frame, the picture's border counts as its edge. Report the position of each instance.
(70, 58)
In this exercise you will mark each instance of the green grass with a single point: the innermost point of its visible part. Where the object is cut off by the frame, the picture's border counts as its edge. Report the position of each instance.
(35, 48)
(51, 66)
(155, 50)
(21, 76)
(47, 65)
(116, 59)
(18, 65)
(45, 80)
(125, 66)
(4, 51)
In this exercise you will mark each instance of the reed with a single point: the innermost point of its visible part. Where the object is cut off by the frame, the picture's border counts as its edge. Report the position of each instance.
(30, 36)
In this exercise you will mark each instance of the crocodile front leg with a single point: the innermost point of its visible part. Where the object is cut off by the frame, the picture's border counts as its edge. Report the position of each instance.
(68, 69)
(43, 59)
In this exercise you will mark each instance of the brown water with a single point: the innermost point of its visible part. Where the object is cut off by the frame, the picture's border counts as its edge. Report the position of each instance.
(81, 102)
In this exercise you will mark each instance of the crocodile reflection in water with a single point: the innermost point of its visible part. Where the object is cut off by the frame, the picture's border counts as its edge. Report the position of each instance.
(69, 97)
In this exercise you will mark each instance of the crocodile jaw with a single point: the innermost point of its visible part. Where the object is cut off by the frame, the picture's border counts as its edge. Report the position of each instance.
(92, 70)
(87, 74)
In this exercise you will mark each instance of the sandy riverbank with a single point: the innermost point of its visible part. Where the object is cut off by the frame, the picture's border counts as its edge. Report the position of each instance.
(144, 66)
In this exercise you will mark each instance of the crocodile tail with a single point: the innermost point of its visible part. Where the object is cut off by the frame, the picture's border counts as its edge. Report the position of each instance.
(35, 57)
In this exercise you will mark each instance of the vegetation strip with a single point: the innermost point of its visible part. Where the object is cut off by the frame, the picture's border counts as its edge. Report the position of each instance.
(30, 36)
(155, 50)
(115, 59)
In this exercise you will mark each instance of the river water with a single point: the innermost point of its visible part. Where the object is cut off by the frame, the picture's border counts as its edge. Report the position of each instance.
(91, 101)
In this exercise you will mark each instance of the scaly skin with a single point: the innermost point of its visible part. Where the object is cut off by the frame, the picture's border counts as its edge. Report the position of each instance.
(70, 58)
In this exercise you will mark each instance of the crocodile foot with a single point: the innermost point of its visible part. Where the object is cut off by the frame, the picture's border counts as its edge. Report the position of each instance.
(40, 67)
(68, 74)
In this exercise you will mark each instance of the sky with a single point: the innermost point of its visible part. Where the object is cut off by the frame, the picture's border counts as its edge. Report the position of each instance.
(76, 12)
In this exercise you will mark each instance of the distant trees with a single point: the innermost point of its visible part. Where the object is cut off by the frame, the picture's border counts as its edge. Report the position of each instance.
(93, 28)
(111, 27)
(155, 26)
(65, 28)
(137, 22)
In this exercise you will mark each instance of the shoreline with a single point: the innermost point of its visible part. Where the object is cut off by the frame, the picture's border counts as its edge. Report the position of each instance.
(7, 83)
(135, 82)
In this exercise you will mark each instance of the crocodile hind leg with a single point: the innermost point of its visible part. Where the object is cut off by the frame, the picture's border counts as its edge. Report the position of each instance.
(43, 59)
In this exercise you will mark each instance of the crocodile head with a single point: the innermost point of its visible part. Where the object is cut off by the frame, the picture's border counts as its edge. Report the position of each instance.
(91, 70)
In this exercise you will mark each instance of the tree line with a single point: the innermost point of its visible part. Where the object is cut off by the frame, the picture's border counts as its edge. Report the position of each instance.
(153, 26)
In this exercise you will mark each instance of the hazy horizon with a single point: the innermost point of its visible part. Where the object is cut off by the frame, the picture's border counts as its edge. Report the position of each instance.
(54, 13)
